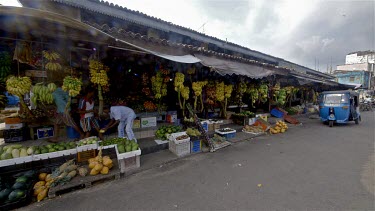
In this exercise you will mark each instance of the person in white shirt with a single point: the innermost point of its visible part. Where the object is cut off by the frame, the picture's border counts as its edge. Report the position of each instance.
(124, 117)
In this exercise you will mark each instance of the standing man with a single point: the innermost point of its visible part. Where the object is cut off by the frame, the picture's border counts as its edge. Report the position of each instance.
(86, 110)
(61, 116)
(124, 117)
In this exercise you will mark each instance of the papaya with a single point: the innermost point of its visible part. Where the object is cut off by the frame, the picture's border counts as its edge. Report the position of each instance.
(104, 170)
(98, 167)
(107, 161)
(39, 184)
(92, 164)
(93, 172)
(48, 177)
(42, 195)
(42, 176)
(39, 189)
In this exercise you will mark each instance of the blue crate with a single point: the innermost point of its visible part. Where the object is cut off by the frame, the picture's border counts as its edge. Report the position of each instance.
(227, 135)
(195, 146)
(277, 113)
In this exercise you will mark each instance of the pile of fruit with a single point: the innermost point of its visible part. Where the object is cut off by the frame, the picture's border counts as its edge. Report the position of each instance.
(123, 144)
(98, 73)
(15, 151)
(53, 147)
(245, 114)
(12, 190)
(193, 132)
(218, 139)
(165, 130)
(100, 164)
(43, 94)
(198, 88)
(149, 106)
(87, 141)
(253, 129)
(225, 130)
(52, 63)
(182, 137)
(280, 127)
(72, 85)
(18, 85)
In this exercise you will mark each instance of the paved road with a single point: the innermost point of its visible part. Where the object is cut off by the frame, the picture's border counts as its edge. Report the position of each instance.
(311, 167)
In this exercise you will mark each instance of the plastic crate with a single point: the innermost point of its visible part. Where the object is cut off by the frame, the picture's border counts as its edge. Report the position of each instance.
(195, 146)
(227, 135)
(173, 136)
(181, 148)
(275, 112)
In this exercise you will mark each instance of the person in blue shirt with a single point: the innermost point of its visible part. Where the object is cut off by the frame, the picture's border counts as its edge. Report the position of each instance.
(61, 116)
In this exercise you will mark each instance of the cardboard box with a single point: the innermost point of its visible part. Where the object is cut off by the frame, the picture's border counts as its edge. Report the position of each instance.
(171, 118)
(137, 123)
(13, 126)
(148, 122)
(44, 132)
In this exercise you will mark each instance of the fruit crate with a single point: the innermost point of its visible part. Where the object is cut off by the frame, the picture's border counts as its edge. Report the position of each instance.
(195, 146)
(173, 136)
(227, 135)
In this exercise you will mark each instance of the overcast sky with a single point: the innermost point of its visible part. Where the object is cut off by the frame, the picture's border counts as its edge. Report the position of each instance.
(301, 31)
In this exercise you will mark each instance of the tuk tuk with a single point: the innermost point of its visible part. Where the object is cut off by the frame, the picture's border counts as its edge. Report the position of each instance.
(339, 107)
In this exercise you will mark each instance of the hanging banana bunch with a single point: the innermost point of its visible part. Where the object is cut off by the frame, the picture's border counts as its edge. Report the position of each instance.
(19, 86)
(253, 92)
(263, 93)
(228, 89)
(241, 90)
(43, 94)
(198, 88)
(52, 58)
(179, 86)
(98, 76)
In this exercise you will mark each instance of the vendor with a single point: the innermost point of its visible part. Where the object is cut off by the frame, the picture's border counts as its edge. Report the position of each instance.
(61, 116)
(124, 117)
(86, 111)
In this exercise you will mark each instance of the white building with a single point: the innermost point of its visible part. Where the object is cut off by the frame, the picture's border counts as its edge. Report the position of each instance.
(359, 61)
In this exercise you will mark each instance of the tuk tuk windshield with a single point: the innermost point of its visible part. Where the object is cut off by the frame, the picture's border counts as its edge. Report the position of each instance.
(336, 98)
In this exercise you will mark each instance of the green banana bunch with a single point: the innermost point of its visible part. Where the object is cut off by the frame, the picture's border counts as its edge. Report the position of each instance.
(18, 85)
(42, 94)
(72, 85)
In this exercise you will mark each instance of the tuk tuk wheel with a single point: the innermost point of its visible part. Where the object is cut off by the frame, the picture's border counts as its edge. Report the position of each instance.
(330, 123)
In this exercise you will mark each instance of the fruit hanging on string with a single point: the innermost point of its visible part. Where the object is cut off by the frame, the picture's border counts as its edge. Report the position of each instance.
(185, 92)
(73, 86)
(254, 94)
(43, 94)
(263, 93)
(241, 89)
(179, 86)
(98, 76)
(191, 71)
(279, 94)
(198, 88)
(159, 86)
(210, 93)
(228, 89)
(19, 86)
(52, 58)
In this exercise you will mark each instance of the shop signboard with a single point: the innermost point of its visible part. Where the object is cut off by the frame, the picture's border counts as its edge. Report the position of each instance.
(148, 122)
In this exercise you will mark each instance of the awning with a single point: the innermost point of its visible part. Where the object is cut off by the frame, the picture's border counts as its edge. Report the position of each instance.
(40, 23)
(228, 67)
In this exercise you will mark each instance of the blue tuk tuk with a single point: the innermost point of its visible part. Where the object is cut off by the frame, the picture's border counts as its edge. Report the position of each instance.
(339, 107)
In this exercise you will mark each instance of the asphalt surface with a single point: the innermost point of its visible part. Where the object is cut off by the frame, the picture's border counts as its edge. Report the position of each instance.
(310, 167)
